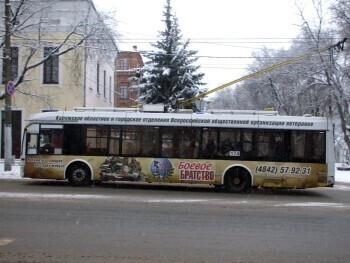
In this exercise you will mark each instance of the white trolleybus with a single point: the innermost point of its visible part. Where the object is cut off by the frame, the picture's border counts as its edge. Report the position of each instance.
(237, 150)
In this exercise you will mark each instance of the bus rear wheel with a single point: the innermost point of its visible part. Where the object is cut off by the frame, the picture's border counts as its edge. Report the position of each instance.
(237, 180)
(79, 174)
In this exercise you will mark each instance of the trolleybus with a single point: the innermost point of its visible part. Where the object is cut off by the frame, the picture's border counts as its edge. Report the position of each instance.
(234, 149)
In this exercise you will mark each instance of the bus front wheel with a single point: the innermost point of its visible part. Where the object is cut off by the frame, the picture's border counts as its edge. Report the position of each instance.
(237, 180)
(79, 174)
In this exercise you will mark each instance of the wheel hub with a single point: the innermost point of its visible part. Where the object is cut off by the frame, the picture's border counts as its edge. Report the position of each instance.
(236, 180)
(79, 175)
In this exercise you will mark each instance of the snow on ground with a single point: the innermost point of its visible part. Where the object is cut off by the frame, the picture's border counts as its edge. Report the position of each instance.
(340, 176)
(13, 174)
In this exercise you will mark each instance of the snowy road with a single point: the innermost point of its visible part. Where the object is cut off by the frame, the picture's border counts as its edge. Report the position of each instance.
(54, 222)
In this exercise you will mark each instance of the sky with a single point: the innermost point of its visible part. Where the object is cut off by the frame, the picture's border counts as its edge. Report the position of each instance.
(224, 32)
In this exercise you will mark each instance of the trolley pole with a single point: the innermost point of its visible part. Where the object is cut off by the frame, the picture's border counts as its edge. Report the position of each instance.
(8, 114)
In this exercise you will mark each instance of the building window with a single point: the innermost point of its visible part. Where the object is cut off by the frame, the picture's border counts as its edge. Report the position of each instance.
(50, 67)
(122, 64)
(98, 78)
(123, 92)
(14, 65)
(110, 89)
(104, 84)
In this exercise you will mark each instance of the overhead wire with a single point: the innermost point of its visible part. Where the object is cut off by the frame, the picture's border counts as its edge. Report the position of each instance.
(338, 47)
(211, 41)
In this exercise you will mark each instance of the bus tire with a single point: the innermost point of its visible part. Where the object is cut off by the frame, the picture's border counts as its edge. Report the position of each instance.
(79, 174)
(237, 180)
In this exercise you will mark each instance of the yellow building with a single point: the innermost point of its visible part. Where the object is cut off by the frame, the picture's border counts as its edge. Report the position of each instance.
(84, 76)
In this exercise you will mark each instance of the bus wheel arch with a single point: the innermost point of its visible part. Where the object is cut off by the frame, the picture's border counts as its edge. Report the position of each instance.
(79, 173)
(237, 179)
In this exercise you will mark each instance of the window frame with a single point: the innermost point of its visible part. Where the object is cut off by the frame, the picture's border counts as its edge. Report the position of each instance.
(98, 78)
(104, 84)
(14, 66)
(123, 64)
(110, 89)
(51, 67)
(123, 92)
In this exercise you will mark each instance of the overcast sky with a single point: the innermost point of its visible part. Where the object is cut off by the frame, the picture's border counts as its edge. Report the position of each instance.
(224, 32)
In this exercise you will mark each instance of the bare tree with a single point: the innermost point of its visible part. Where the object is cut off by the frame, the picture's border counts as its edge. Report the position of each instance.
(298, 87)
(224, 99)
(318, 85)
(332, 74)
(33, 23)
(57, 28)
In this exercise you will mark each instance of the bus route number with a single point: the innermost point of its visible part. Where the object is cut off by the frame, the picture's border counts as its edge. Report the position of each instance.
(283, 170)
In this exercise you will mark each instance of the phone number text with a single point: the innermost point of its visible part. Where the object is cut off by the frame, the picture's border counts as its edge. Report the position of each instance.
(283, 170)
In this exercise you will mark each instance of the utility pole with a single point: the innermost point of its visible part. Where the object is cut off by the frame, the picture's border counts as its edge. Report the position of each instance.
(8, 113)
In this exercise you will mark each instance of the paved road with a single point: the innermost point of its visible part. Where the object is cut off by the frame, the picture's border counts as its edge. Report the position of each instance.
(49, 221)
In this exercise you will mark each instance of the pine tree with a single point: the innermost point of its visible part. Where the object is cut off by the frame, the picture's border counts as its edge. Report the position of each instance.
(170, 73)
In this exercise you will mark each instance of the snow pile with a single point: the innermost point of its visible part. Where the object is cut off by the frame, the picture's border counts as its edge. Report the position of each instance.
(340, 176)
(13, 174)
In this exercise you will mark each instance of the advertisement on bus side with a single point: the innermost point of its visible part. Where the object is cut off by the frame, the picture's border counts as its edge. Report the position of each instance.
(121, 168)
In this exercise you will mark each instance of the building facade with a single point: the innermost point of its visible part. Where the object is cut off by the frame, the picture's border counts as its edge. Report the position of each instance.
(127, 66)
(82, 77)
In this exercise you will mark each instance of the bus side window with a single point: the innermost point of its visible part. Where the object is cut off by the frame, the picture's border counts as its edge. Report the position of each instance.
(131, 141)
(32, 143)
(74, 139)
(297, 146)
(210, 148)
(149, 144)
(315, 146)
(96, 140)
(167, 143)
(187, 143)
(51, 141)
(226, 147)
(45, 146)
(229, 143)
(57, 141)
(209, 143)
(194, 143)
(276, 147)
(114, 141)
(262, 145)
(129, 148)
(247, 146)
